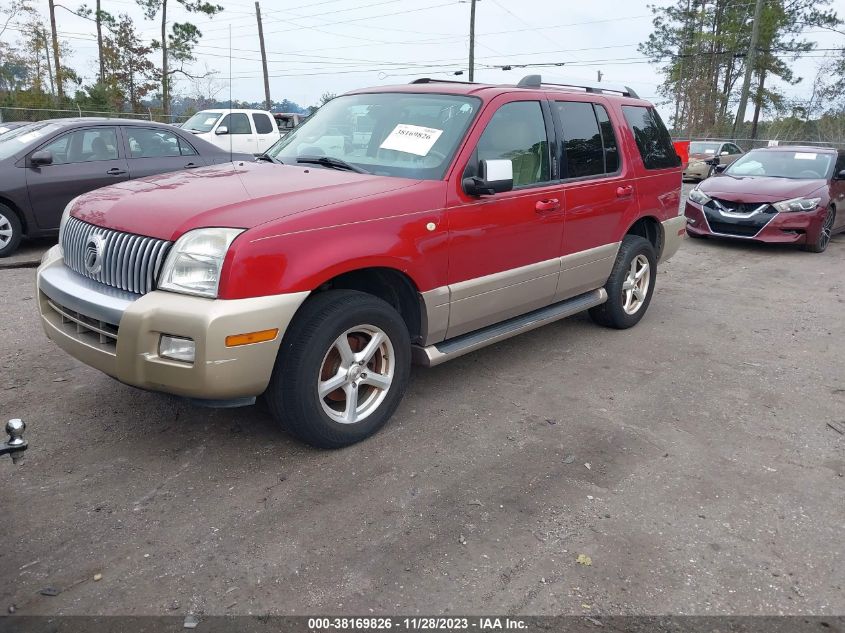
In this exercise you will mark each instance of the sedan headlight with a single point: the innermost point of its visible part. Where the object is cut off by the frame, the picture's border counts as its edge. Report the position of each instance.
(193, 265)
(797, 204)
(699, 197)
(65, 218)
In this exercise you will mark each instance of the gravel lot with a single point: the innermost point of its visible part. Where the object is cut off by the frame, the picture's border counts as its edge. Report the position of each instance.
(689, 458)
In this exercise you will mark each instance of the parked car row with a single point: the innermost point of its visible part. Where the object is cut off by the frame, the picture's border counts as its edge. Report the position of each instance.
(43, 166)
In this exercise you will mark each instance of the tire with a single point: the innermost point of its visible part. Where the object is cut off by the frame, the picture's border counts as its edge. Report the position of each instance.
(825, 233)
(625, 307)
(11, 231)
(310, 355)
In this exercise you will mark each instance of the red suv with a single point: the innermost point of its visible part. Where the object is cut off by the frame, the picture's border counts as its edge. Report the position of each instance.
(417, 222)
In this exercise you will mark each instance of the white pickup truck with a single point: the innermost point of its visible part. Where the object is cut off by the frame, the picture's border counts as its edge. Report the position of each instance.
(252, 131)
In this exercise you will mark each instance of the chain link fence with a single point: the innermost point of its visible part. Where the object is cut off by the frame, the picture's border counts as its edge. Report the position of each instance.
(40, 114)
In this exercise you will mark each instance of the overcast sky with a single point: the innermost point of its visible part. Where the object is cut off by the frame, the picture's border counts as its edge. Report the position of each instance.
(337, 45)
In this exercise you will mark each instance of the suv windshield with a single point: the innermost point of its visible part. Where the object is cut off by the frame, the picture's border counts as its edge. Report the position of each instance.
(18, 139)
(803, 165)
(202, 121)
(389, 134)
(698, 147)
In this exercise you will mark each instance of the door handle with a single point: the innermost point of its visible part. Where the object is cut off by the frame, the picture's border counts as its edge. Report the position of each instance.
(116, 171)
(545, 206)
(191, 166)
(624, 192)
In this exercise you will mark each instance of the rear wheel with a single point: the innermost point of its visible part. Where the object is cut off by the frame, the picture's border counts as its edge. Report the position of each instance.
(342, 369)
(825, 233)
(630, 285)
(11, 231)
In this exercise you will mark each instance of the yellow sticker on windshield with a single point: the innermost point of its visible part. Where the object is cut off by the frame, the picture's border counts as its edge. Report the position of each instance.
(411, 139)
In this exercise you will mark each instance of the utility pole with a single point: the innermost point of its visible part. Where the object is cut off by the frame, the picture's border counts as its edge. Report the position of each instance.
(472, 40)
(263, 56)
(599, 75)
(60, 88)
(49, 65)
(749, 67)
(100, 44)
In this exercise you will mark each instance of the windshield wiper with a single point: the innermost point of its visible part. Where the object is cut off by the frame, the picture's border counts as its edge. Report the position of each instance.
(268, 158)
(330, 161)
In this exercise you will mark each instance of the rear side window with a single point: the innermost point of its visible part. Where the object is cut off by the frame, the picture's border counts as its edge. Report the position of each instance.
(263, 124)
(237, 123)
(608, 137)
(582, 144)
(652, 137)
(589, 143)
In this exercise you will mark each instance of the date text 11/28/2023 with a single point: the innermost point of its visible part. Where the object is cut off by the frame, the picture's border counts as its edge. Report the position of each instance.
(480, 623)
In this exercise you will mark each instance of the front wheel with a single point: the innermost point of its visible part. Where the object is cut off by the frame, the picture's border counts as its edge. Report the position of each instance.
(825, 233)
(342, 369)
(630, 285)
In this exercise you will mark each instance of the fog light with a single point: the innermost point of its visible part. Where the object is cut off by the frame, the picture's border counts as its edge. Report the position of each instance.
(177, 348)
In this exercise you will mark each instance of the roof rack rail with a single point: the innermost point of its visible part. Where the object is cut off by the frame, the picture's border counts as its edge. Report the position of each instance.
(430, 80)
(536, 81)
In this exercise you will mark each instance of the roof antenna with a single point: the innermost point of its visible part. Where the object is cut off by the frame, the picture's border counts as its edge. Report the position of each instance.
(230, 96)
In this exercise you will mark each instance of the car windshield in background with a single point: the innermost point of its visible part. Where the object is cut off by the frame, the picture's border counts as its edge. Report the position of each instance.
(202, 121)
(799, 165)
(698, 147)
(18, 139)
(390, 134)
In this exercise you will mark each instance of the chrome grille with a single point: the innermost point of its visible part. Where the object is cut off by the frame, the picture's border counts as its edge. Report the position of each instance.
(129, 262)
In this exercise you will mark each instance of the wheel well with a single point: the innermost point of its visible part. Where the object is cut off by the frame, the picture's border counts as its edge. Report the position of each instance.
(649, 228)
(17, 212)
(388, 284)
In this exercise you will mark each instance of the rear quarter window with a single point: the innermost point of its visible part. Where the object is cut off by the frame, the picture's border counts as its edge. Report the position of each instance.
(652, 137)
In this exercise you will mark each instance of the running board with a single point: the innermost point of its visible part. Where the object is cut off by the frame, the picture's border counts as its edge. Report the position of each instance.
(466, 343)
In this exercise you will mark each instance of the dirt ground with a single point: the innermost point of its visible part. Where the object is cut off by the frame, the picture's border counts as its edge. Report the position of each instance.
(690, 458)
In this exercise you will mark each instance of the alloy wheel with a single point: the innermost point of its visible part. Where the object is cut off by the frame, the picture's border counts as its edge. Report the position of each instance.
(6, 231)
(356, 374)
(635, 286)
(826, 232)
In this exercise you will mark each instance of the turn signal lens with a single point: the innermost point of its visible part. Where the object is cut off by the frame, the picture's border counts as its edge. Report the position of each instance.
(252, 337)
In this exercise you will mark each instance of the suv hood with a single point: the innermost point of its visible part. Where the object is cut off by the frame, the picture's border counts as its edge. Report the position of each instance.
(237, 195)
(758, 188)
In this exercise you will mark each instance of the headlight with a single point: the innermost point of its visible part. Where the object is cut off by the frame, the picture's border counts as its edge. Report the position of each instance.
(797, 204)
(699, 197)
(65, 218)
(193, 265)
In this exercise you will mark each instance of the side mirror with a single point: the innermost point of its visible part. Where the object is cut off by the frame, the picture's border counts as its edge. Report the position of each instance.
(720, 168)
(222, 130)
(841, 175)
(496, 177)
(41, 157)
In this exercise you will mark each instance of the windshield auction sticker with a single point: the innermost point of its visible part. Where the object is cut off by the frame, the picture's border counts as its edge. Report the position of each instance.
(411, 139)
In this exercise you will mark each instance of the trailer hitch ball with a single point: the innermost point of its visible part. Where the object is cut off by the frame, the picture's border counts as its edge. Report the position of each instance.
(15, 444)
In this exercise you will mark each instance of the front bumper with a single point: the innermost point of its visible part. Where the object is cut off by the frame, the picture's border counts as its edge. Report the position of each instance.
(119, 333)
(777, 228)
(697, 170)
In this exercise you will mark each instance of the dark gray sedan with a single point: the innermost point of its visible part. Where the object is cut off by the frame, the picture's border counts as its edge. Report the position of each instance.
(44, 165)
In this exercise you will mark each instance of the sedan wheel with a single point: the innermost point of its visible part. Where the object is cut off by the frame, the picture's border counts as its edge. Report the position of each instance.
(10, 231)
(825, 233)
